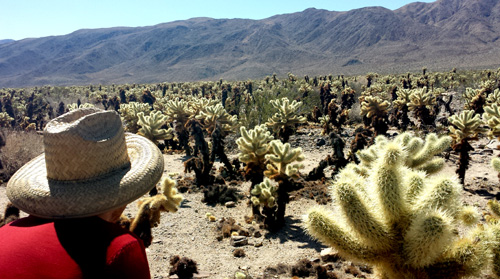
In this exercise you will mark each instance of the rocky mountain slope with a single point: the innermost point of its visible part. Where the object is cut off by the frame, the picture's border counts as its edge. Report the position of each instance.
(438, 35)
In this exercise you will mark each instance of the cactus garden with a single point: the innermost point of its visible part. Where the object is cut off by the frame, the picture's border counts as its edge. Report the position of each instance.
(373, 176)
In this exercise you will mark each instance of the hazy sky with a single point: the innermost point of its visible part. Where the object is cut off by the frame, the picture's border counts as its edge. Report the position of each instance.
(39, 18)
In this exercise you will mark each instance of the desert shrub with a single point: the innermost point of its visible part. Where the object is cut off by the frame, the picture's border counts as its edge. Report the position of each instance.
(20, 147)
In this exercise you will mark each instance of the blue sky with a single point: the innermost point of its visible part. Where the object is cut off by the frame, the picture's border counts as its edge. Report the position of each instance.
(39, 18)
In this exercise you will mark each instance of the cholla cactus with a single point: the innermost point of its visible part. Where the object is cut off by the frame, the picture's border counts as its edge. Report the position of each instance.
(282, 160)
(129, 114)
(467, 127)
(494, 97)
(151, 126)
(492, 118)
(418, 156)
(264, 194)
(400, 221)
(217, 113)
(284, 121)
(375, 111)
(5, 119)
(254, 144)
(281, 167)
(150, 208)
(422, 103)
(179, 111)
(401, 108)
(74, 106)
(324, 121)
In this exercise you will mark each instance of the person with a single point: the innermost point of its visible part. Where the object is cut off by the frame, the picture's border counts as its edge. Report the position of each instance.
(74, 193)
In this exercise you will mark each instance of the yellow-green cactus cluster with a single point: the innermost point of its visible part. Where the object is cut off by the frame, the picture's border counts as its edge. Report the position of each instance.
(201, 104)
(129, 114)
(217, 114)
(282, 160)
(468, 125)
(286, 115)
(421, 97)
(419, 153)
(151, 126)
(374, 106)
(254, 144)
(74, 106)
(401, 221)
(5, 119)
(179, 110)
(491, 116)
(403, 98)
(494, 97)
(264, 194)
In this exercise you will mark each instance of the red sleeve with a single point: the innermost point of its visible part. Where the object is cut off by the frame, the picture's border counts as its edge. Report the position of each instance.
(127, 258)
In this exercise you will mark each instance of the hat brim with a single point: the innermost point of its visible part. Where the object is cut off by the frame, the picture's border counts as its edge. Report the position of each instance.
(31, 191)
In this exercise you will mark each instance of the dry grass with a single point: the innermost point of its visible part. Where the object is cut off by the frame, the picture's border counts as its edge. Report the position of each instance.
(20, 147)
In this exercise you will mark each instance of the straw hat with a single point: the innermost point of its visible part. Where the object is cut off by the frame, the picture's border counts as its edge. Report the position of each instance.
(89, 166)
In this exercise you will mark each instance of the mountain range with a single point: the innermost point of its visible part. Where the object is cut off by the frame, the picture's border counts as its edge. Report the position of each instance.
(439, 35)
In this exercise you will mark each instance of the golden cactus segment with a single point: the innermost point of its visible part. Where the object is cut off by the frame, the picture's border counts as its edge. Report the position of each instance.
(151, 126)
(129, 114)
(179, 110)
(286, 115)
(400, 220)
(282, 158)
(373, 105)
(491, 116)
(254, 144)
(420, 97)
(213, 114)
(264, 194)
(468, 125)
(419, 153)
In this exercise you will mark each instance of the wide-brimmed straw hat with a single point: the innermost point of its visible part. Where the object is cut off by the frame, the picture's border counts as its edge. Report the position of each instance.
(89, 166)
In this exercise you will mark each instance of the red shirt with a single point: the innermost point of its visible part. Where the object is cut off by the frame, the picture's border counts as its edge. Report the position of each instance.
(79, 248)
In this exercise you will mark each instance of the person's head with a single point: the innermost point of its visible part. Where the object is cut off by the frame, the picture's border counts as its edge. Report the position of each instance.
(90, 166)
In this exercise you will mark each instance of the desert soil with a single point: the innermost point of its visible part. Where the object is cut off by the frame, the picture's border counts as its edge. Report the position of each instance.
(189, 233)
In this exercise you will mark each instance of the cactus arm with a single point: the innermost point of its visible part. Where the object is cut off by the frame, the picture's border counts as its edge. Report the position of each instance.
(326, 229)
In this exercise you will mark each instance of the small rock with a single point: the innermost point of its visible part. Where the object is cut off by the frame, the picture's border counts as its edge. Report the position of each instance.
(230, 204)
(257, 234)
(258, 244)
(238, 240)
(320, 142)
(239, 253)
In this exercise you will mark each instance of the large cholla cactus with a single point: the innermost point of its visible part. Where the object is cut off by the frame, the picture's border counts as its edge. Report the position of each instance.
(254, 146)
(421, 103)
(375, 112)
(213, 114)
(419, 153)
(151, 126)
(284, 121)
(179, 111)
(401, 222)
(129, 113)
(466, 127)
(282, 167)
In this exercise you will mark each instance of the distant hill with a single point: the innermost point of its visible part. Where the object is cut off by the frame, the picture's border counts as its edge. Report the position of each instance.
(438, 35)
(6, 41)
